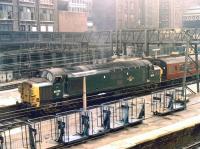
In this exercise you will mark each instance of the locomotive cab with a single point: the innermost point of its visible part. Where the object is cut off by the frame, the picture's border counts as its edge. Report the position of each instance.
(154, 73)
(48, 88)
(56, 77)
(35, 91)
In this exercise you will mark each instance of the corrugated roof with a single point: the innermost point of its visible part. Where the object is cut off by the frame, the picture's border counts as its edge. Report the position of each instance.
(56, 71)
(85, 70)
(192, 11)
(37, 80)
(112, 65)
(174, 60)
(81, 71)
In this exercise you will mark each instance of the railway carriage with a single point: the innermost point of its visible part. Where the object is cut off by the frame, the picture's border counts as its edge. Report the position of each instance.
(173, 67)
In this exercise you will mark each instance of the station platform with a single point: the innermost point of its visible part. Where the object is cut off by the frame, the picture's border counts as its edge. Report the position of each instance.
(149, 134)
(9, 97)
(9, 94)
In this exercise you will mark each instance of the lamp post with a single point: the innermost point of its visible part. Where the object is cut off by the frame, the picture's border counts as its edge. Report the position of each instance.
(84, 94)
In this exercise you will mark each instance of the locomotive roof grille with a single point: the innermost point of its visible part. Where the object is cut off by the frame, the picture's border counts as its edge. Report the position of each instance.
(80, 71)
(87, 73)
(174, 60)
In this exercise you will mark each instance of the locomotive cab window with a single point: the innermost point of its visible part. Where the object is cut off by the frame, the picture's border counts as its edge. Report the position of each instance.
(58, 79)
(44, 74)
(49, 77)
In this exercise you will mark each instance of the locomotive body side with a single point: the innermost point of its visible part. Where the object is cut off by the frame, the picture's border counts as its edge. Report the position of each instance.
(62, 83)
(114, 76)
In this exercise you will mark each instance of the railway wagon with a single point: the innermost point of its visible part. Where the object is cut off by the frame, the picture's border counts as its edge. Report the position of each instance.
(99, 79)
(173, 67)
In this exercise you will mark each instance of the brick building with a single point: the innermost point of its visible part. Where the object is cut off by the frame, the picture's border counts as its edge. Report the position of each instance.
(72, 22)
(42, 15)
(125, 14)
(191, 17)
(28, 15)
(171, 12)
(72, 15)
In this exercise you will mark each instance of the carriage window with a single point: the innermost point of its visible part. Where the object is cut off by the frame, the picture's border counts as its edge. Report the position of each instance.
(181, 67)
(176, 68)
(171, 69)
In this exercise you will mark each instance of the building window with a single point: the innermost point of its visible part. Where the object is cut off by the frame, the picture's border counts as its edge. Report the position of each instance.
(50, 28)
(6, 12)
(43, 28)
(27, 13)
(29, 1)
(78, 6)
(47, 2)
(46, 15)
(29, 28)
(132, 6)
(22, 28)
(63, 5)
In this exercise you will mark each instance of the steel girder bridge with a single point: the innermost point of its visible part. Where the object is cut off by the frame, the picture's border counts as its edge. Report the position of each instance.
(142, 38)
(31, 49)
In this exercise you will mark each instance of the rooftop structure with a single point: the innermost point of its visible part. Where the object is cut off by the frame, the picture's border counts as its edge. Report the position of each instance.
(191, 17)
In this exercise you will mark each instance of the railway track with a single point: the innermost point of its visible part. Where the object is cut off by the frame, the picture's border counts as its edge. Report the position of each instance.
(196, 145)
(20, 116)
(8, 114)
(10, 85)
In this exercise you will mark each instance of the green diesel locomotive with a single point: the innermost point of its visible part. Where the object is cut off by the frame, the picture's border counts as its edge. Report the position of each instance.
(59, 83)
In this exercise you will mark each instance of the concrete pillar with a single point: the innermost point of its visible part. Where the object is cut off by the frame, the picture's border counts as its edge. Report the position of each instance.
(37, 14)
(94, 56)
(16, 22)
(53, 55)
(75, 57)
(15, 62)
(65, 61)
(146, 45)
(41, 55)
(139, 48)
(56, 16)
(124, 49)
(1, 61)
(197, 66)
